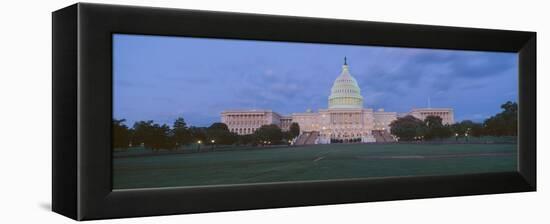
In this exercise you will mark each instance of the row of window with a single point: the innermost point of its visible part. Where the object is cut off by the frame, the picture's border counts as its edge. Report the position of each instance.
(345, 101)
(345, 81)
(345, 122)
(243, 130)
(435, 113)
(343, 135)
(255, 122)
(245, 116)
(346, 91)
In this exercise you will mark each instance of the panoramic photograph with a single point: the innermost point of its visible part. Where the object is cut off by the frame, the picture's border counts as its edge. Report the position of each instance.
(191, 112)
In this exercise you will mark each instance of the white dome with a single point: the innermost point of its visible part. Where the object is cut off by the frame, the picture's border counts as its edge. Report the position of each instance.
(345, 92)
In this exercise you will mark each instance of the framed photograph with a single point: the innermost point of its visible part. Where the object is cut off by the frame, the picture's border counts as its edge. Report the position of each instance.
(169, 111)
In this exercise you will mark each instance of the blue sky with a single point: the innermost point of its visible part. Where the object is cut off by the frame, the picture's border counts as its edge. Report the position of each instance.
(160, 78)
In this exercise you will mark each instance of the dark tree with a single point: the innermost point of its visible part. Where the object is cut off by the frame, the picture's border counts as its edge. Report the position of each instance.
(504, 123)
(477, 130)
(246, 139)
(121, 134)
(435, 128)
(467, 127)
(407, 128)
(287, 136)
(271, 134)
(142, 133)
(198, 134)
(161, 137)
(153, 136)
(181, 133)
(433, 121)
(294, 130)
(219, 132)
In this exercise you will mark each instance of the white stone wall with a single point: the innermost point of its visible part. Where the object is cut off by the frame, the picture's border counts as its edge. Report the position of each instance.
(286, 121)
(308, 121)
(244, 122)
(446, 114)
(335, 123)
(382, 119)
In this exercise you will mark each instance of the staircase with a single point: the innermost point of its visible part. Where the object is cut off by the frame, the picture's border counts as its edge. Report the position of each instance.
(382, 136)
(307, 138)
(387, 136)
(377, 136)
(312, 138)
(301, 140)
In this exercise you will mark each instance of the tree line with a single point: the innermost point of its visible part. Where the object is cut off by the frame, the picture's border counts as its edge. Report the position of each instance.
(156, 136)
(410, 128)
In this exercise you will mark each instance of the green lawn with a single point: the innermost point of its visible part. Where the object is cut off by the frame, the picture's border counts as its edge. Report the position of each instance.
(316, 162)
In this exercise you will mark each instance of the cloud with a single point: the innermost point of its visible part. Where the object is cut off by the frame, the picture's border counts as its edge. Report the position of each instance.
(197, 78)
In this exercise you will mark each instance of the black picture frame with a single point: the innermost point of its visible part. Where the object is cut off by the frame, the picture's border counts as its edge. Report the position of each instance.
(82, 111)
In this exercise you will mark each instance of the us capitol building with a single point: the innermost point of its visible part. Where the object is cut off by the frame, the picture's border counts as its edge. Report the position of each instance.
(345, 120)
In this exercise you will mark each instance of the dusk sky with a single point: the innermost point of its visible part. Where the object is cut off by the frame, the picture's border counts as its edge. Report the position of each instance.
(161, 78)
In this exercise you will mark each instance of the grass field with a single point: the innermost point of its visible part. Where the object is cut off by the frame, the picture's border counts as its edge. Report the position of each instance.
(315, 162)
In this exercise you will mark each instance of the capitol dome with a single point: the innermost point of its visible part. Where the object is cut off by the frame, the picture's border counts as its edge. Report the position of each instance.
(345, 92)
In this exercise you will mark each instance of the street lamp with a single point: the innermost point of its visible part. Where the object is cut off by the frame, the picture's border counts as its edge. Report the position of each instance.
(199, 147)
(456, 137)
(212, 141)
